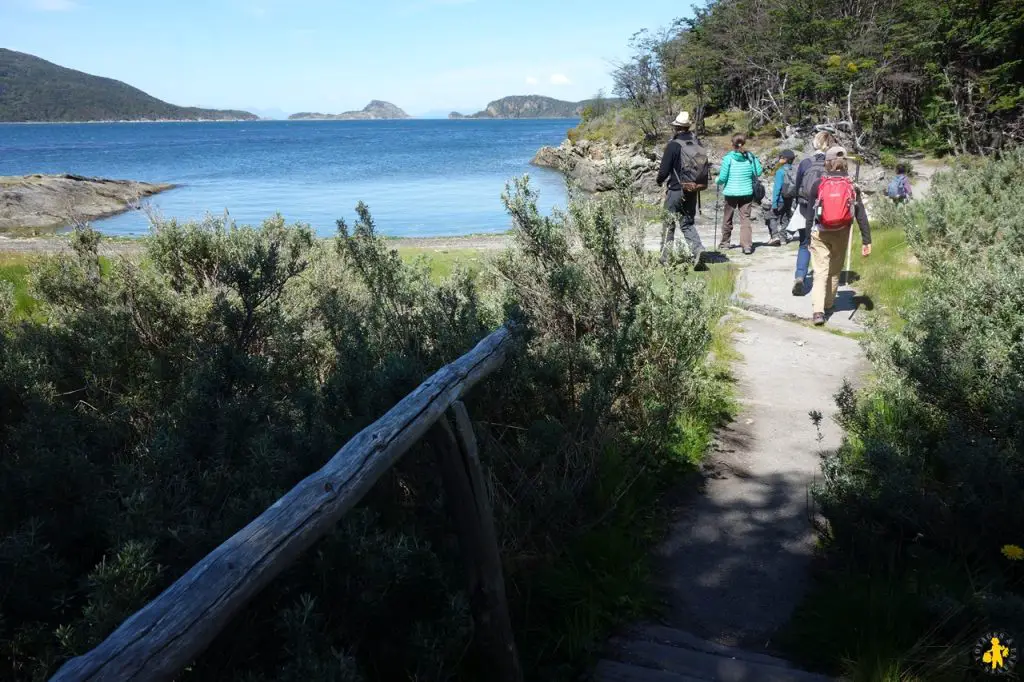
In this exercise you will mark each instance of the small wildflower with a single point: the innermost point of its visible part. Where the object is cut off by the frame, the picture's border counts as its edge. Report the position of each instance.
(1013, 552)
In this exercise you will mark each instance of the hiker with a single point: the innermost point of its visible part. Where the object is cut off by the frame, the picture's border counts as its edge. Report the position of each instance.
(740, 171)
(808, 175)
(686, 168)
(899, 187)
(784, 193)
(839, 203)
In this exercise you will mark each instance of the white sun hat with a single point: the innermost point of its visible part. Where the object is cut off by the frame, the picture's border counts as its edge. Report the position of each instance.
(682, 120)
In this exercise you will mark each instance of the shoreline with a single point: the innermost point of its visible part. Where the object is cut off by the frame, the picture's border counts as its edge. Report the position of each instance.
(109, 245)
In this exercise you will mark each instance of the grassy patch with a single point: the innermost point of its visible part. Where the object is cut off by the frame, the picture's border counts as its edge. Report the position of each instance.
(15, 268)
(890, 276)
(443, 262)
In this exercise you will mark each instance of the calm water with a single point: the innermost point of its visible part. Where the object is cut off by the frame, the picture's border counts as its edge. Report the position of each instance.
(419, 178)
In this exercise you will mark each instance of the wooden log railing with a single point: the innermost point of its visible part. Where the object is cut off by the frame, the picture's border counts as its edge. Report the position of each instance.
(166, 635)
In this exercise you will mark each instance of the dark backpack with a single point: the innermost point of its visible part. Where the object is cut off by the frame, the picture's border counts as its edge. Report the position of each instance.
(812, 177)
(693, 163)
(896, 189)
(789, 188)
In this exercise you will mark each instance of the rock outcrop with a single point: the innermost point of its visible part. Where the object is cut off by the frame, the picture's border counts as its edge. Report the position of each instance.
(47, 201)
(598, 166)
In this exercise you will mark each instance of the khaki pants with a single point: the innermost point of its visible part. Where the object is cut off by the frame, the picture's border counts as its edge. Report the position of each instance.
(828, 251)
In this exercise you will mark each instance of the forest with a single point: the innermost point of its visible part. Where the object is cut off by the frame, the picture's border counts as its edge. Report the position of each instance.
(945, 77)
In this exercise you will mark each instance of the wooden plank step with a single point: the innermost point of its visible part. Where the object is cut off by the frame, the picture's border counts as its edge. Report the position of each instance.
(614, 671)
(706, 666)
(679, 638)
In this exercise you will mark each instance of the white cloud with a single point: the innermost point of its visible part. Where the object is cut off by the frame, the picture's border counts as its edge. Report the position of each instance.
(532, 80)
(560, 79)
(53, 5)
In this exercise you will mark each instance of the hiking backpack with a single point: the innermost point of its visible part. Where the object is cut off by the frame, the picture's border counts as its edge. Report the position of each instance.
(895, 190)
(789, 188)
(693, 163)
(836, 197)
(811, 177)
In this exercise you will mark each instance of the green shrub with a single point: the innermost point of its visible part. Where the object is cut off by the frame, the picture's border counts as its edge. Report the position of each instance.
(728, 122)
(932, 469)
(151, 408)
(888, 159)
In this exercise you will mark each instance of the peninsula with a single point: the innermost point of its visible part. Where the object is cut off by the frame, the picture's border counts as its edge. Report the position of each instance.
(33, 90)
(51, 201)
(532, 106)
(374, 111)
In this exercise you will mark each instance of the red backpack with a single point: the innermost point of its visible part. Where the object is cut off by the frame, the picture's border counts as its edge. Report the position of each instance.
(836, 197)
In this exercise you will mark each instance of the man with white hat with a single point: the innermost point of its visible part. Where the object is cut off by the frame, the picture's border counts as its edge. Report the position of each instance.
(686, 168)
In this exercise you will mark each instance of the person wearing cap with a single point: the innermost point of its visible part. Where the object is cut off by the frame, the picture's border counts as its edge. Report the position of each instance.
(680, 198)
(828, 247)
(782, 207)
(805, 203)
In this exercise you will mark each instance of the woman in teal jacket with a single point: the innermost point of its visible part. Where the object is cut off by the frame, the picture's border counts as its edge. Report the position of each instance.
(740, 170)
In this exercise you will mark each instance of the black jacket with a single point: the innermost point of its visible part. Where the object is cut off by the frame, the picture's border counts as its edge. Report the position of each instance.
(670, 161)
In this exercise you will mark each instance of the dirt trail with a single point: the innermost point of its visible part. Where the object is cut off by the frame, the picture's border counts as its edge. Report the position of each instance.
(736, 562)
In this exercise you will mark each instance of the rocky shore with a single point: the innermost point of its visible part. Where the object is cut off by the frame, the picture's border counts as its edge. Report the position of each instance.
(47, 201)
(598, 166)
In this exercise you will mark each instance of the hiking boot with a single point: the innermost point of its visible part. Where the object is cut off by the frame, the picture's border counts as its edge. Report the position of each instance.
(698, 264)
(818, 319)
(748, 252)
(775, 242)
(724, 246)
(798, 287)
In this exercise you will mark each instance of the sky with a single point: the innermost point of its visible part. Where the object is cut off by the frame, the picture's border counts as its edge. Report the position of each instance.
(426, 56)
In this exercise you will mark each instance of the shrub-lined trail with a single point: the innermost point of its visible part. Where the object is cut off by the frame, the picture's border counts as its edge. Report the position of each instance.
(737, 560)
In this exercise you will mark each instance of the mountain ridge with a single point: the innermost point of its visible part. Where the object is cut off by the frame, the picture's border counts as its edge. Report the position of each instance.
(33, 90)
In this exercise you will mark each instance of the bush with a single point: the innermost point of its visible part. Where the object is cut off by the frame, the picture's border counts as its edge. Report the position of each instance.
(150, 409)
(728, 122)
(932, 470)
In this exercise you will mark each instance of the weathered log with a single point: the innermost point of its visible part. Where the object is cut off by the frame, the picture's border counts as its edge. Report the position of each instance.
(166, 635)
(470, 507)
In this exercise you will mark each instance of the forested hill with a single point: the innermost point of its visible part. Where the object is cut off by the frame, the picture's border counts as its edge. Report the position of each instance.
(529, 106)
(33, 89)
(947, 75)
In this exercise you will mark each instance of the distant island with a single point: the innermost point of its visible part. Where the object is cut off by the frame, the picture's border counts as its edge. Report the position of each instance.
(33, 90)
(374, 111)
(532, 106)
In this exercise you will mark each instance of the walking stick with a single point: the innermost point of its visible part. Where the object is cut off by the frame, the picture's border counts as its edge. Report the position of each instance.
(849, 242)
(717, 195)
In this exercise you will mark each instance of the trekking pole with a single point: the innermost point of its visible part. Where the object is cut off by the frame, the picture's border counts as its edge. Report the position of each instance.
(717, 196)
(849, 242)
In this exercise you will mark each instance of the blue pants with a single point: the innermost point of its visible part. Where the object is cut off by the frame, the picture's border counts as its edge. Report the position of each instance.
(803, 256)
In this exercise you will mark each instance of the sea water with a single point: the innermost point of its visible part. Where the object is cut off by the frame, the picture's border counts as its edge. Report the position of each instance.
(418, 177)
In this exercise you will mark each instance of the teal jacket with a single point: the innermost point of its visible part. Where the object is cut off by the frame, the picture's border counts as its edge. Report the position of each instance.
(737, 174)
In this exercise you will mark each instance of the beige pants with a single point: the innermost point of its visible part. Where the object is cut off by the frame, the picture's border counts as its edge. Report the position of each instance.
(828, 251)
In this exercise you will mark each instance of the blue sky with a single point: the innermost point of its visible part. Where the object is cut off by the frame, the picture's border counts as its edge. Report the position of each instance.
(317, 55)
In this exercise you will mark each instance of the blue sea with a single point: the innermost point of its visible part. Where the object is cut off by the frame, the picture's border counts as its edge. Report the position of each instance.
(419, 177)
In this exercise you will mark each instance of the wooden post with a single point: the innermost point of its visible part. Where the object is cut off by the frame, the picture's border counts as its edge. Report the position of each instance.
(470, 508)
